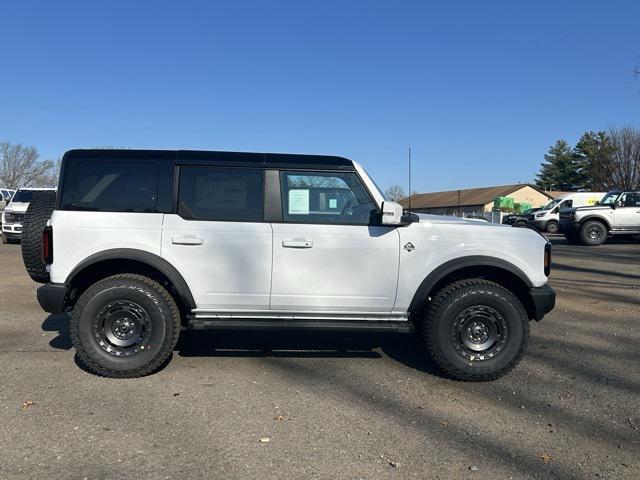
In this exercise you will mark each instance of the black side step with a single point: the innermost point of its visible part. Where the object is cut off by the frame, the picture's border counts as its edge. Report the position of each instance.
(326, 325)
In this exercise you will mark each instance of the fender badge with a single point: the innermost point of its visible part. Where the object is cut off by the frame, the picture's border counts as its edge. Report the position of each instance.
(409, 247)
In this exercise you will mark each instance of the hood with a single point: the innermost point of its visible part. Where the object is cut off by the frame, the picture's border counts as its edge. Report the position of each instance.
(16, 207)
(451, 220)
(588, 208)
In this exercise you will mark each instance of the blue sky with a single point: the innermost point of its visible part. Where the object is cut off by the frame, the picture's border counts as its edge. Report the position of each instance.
(479, 90)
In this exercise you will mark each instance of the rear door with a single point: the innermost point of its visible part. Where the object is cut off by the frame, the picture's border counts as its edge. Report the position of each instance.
(330, 256)
(218, 239)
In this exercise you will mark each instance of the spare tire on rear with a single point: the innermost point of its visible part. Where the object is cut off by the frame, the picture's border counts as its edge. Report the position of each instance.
(35, 219)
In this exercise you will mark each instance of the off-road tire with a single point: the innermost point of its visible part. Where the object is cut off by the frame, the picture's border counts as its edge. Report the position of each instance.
(587, 231)
(444, 310)
(35, 219)
(162, 313)
(552, 227)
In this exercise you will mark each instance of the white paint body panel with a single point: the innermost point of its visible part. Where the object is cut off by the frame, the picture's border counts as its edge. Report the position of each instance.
(78, 235)
(439, 239)
(338, 270)
(347, 268)
(227, 265)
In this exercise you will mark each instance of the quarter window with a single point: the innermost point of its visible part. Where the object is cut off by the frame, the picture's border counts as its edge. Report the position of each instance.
(116, 186)
(310, 197)
(221, 194)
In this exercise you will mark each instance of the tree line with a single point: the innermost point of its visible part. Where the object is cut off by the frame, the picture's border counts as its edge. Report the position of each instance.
(599, 161)
(22, 166)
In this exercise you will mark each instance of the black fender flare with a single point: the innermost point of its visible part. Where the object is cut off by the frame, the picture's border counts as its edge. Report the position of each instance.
(150, 259)
(598, 218)
(452, 266)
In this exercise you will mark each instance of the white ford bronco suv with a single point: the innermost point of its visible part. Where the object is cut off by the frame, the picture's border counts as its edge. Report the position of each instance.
(618, 213)
(140, 245)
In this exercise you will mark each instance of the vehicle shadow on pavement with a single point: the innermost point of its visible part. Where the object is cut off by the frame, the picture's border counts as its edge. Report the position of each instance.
(407, 349)
(58, 323)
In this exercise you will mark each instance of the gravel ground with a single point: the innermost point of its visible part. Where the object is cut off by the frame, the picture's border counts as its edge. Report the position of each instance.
(334, 405)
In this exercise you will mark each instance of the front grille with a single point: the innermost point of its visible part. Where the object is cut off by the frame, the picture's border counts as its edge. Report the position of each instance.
(10, 217)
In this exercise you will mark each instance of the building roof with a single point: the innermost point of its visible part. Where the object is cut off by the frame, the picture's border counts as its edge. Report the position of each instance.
(468, 196)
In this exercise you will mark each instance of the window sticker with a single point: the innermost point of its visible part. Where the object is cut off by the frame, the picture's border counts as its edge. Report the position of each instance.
(333, 203)
(299, 202)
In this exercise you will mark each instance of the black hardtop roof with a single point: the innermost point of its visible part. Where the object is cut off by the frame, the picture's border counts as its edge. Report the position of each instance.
(202, 157)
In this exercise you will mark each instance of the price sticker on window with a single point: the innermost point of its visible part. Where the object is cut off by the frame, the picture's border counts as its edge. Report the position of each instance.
(298, 202)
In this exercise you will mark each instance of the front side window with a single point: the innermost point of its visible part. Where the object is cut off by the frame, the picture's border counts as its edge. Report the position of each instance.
(116, 187)
(630, 199)
(313, 197)
(221, 194)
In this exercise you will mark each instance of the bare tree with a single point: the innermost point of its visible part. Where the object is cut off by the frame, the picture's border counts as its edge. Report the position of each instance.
(21, 166)
(622, 171)
(395, 193)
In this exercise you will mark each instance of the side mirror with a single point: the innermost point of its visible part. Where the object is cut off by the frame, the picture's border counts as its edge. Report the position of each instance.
(392, 214)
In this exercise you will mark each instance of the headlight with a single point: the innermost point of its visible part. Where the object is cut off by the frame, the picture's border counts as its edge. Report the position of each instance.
(538, 215)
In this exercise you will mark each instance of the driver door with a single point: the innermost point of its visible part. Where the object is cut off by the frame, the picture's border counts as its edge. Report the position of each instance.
(329, 253)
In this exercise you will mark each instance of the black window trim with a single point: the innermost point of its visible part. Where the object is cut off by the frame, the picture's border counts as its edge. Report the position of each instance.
(178, 173)
(318, 170)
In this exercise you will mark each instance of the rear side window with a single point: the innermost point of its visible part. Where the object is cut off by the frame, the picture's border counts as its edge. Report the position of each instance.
(116, 186)
(221, 194)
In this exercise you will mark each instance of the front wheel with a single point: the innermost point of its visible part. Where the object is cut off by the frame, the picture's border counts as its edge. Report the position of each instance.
(593, 233)
(553, 227)
(125, 326)
(476, 330)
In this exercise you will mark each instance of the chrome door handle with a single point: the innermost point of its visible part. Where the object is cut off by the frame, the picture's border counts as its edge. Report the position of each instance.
(297, 243)
(187, 240)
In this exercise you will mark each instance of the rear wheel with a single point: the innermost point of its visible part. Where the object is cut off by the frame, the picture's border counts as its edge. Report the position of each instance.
(476, 330)
(593, 233)
(125, 326)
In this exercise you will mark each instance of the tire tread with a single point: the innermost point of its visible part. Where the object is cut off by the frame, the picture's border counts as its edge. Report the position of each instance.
(436, 309)
(170, 340)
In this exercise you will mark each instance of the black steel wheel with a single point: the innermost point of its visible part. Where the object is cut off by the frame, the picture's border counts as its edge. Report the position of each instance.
(122, 328)
(479, 333)
(475, 330)
(125, 326)
(593, 233)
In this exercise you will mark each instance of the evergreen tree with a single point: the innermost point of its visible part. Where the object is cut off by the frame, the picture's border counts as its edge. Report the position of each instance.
(593, 153)
(561, 169)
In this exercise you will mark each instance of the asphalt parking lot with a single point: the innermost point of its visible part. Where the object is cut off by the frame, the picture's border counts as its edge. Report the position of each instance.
(334, 405)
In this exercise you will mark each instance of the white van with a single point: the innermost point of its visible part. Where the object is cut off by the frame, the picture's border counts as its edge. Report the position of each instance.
(548, 218)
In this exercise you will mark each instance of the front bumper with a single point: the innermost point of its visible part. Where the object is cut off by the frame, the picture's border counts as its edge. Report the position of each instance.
(10, 230)
(52, 297)
(544, 299)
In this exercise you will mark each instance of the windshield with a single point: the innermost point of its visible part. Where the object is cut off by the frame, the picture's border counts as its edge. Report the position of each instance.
(610, 198)
(23, 196)
(552, 204)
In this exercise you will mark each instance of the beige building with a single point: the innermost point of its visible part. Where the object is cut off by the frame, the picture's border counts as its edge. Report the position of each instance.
(475, 201)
